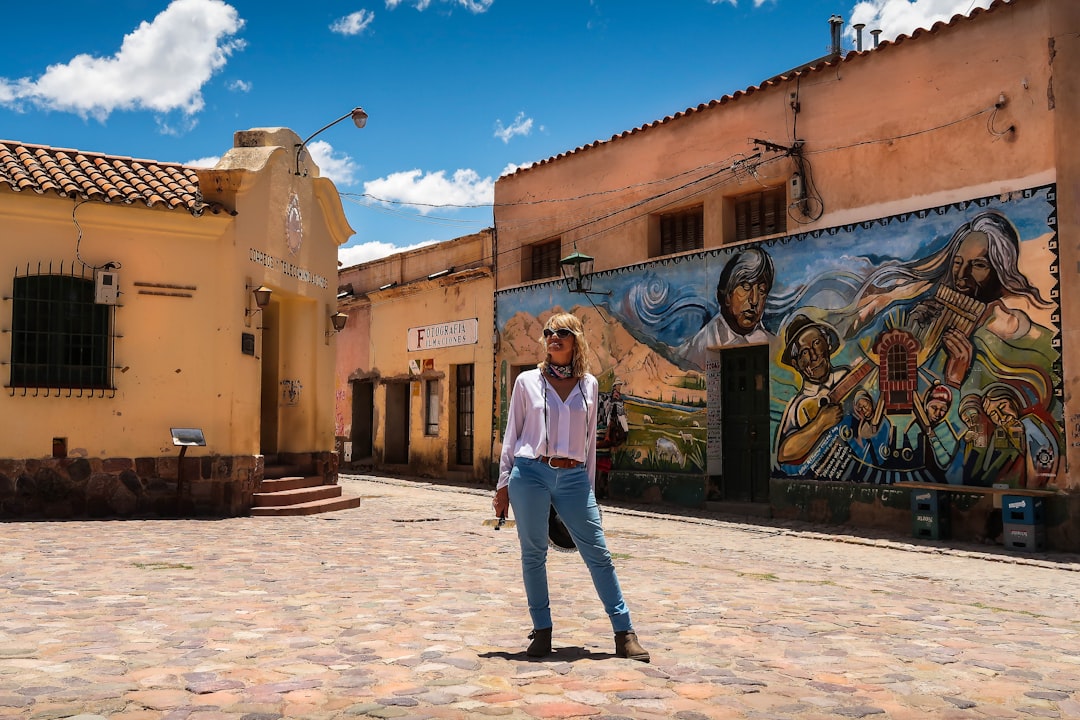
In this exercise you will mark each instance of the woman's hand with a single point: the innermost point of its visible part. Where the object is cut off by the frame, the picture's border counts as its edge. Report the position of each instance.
(501, 501)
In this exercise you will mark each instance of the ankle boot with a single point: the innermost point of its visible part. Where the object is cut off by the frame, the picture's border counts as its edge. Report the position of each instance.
(541, 643)
(627, 646)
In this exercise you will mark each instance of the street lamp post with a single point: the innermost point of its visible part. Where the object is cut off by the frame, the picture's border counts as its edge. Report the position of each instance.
(359, 118)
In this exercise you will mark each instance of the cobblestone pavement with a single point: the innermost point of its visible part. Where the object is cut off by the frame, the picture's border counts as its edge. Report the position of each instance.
(407, 607)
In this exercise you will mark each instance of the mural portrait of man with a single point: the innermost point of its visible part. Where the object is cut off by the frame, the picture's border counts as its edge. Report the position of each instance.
(741, 293)
(809, 347)
(1024, 448)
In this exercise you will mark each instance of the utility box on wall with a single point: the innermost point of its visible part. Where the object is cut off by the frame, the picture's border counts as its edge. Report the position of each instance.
(106, 287)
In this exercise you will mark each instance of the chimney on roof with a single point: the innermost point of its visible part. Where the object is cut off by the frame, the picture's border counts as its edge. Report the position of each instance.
(858, 35)
(876, 32)
(836, 24)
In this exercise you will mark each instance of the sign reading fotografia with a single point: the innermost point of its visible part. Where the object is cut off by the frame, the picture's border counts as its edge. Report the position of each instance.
(449, 334)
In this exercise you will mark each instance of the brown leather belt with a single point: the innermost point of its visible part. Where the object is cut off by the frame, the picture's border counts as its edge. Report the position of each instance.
(560, 463)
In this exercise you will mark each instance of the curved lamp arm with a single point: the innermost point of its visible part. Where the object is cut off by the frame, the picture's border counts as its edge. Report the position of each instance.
(359, 118)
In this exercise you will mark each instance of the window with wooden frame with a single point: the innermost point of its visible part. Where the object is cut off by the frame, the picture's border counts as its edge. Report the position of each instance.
(761, 213)
(60, 337)
(543, 260)
(682, 231)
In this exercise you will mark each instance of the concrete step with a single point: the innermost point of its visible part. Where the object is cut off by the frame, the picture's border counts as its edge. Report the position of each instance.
(291, 482)
(307, 508)
(296, 496)
(280, 471)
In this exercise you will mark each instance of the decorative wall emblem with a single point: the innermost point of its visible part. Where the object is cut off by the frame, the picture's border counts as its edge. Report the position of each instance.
(294, 225)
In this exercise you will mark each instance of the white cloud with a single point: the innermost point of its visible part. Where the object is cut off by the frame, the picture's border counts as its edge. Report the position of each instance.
(176, 127)
(341, 168)
(204, 162)
(476, 6)
(161, 66)
(735, 3)
(512, 168)
(240, 86)
(521, 126)
(425, 192)
(903, 17)
(353, 23)
(366, 252)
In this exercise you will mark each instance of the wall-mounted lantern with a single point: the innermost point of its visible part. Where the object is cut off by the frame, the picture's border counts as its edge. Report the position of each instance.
(337, 323)
(577, 272)
(262, 298)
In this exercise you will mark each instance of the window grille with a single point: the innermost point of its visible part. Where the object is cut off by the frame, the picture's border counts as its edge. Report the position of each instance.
(465, 385)
(61, 340)
(545, 260)
(682, 231)
(762, 213)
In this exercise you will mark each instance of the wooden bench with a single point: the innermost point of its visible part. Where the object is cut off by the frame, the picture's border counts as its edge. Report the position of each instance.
(975, 489)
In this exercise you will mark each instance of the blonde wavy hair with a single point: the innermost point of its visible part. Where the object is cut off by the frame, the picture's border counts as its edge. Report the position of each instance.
(580, 362)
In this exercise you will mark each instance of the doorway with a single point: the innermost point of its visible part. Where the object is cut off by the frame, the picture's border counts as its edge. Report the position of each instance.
(267, 323)
(464, 414)
(363, 420)
(744, 400)
(396, 432)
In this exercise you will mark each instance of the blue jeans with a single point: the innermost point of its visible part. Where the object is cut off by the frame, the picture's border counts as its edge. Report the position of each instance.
(534, 488)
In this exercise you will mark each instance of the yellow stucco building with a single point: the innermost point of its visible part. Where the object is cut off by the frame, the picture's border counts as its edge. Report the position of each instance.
(413, 389)
(146, 301)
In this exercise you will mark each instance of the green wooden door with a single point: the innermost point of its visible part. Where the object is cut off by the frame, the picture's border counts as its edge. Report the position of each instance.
(744, 379)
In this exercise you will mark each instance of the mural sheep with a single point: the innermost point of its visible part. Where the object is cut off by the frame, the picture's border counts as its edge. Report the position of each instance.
(668, 450)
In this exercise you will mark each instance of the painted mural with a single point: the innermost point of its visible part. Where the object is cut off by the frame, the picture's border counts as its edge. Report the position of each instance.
(917, 347)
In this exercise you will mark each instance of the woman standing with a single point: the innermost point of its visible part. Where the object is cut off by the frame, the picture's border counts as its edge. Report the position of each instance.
(549, 459)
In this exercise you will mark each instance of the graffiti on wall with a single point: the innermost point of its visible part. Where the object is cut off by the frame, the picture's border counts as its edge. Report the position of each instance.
(290, 392)
(923, 347)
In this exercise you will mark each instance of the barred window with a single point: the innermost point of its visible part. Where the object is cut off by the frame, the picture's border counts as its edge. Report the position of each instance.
(544, 260)
(762, 213)
(682, 231)
(60, 338)
(465, 386)
(431, 407)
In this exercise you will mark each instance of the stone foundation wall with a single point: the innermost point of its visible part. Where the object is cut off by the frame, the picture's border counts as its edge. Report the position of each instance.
(62, 488)
(973, 517)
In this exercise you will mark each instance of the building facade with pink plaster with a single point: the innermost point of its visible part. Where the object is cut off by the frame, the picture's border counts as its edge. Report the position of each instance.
(812, 293)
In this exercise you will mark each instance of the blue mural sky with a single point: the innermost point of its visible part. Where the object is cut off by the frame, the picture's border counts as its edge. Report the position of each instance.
(668, 300)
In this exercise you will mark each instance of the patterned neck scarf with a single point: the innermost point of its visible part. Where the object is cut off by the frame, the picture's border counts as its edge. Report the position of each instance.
(559, 372)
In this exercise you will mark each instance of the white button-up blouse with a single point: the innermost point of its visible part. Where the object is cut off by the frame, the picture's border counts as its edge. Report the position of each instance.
(571, 425)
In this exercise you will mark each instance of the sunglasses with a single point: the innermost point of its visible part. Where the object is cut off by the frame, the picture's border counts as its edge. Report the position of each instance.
(563, 333)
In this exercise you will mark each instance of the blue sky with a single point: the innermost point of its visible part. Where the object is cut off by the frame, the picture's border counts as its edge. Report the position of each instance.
(458, 91)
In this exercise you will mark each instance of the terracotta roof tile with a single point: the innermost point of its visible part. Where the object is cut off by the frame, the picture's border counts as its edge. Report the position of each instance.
(103, 178)
(813, 67)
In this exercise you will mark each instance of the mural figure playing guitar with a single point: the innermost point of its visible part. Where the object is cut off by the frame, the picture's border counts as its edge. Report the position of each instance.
(809, 347)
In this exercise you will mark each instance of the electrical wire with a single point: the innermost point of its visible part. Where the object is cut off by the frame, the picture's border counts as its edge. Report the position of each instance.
(418, 217)
(79, 237)
(877, 141)
(730, 167)
(543, 200)
(990, 125)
